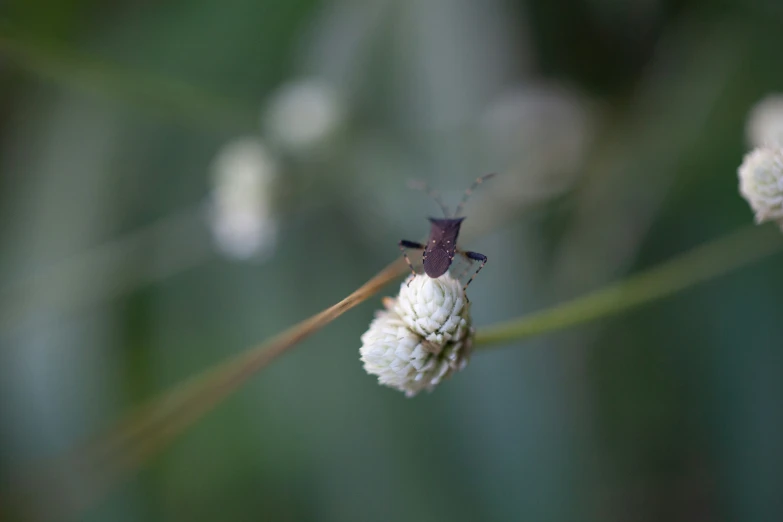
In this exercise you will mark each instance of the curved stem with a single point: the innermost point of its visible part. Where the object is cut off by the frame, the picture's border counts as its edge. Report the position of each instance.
(696, 266)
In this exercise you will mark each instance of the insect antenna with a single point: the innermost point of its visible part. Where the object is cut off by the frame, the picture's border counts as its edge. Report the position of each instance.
(422, 185)
(469, 191)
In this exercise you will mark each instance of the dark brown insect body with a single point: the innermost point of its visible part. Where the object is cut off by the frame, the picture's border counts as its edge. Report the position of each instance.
(441, 246)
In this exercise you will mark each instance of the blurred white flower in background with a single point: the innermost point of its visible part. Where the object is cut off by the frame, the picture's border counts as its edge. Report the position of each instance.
(241, 214)
(302, 116)
(537, 135)
(764, 127)
(761, 183)
(422, 337)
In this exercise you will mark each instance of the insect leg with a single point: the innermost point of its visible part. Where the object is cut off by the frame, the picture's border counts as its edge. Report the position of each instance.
(404, 243)
(475, 256)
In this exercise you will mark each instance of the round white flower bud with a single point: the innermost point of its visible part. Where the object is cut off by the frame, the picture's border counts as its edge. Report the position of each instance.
(396, 349)
(302, 115)
(436, 309)
(240, 207)
(761, 183)
(765, 122)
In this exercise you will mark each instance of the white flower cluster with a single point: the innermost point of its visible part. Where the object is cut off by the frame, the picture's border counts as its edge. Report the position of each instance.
(761, 172)
(422, 337)
(761, 183)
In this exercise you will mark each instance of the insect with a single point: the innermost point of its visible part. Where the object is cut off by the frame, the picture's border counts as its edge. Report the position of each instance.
(441, 246)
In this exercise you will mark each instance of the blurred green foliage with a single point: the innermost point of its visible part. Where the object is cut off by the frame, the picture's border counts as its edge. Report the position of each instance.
(111, 115)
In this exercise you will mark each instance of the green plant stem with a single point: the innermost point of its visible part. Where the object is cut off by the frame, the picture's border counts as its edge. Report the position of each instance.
(696, 266)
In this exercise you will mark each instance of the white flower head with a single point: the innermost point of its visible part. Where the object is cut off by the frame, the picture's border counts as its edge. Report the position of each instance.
(421, 338)
(761, 183)
(435, 309)
(764, 127)
(241, 216)
(302, 115)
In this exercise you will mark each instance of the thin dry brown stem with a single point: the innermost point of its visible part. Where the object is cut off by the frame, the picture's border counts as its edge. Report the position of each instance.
(146, 432)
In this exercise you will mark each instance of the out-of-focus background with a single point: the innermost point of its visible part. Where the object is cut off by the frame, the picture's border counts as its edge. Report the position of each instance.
(181, 180)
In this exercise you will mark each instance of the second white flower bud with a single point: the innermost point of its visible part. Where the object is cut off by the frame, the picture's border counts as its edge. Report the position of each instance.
(761, 183)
